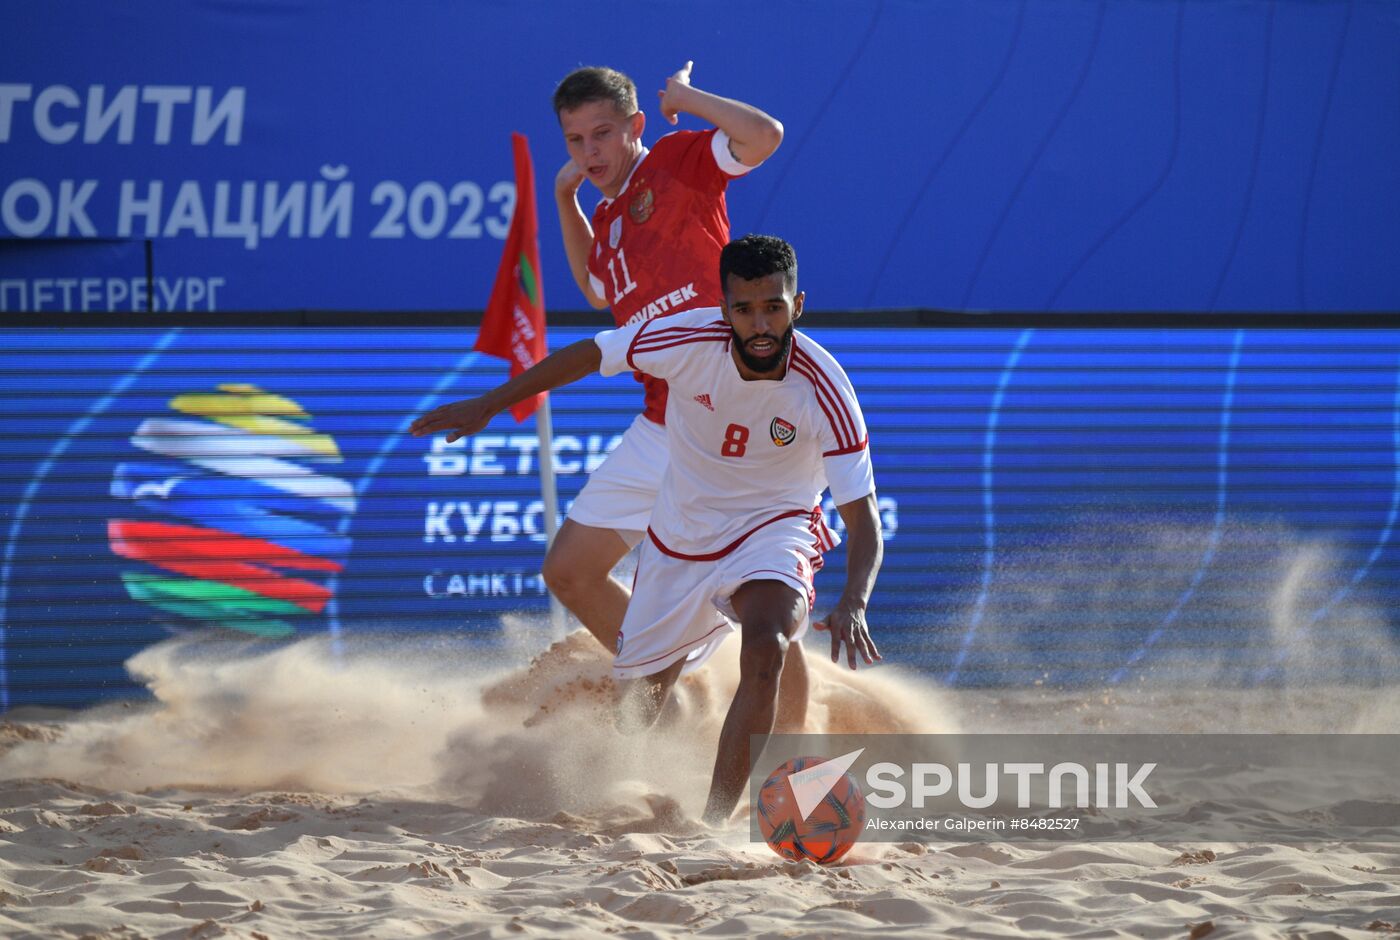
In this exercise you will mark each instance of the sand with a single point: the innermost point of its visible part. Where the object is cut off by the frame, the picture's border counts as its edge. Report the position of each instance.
(428, 791)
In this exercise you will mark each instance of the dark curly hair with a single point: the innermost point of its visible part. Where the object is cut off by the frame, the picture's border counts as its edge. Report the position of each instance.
(756, 256)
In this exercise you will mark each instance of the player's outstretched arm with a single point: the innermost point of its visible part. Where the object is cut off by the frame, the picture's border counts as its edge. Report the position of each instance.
(576, 229)
(468, 416)
(864, 551)
(753, 135)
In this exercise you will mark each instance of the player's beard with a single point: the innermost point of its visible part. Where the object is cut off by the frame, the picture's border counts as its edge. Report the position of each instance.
(764, 363)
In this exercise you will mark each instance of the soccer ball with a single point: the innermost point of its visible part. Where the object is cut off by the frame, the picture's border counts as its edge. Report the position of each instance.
(827, 834)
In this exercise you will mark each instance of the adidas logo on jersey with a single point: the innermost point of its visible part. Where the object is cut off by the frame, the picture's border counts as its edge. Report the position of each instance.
(705, 400)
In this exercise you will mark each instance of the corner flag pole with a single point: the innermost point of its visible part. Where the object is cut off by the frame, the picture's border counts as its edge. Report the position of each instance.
(549, 493)
(513, 328)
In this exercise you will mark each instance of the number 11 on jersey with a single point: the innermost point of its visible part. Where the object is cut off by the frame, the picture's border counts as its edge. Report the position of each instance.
(627, 285)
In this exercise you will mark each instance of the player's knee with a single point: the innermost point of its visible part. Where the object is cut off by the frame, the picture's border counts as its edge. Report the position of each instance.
(574, 565)
(562, 573)
(761, 659)
(555, 573)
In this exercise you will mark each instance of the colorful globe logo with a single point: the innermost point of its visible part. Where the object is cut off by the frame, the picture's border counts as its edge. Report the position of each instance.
(233, 523)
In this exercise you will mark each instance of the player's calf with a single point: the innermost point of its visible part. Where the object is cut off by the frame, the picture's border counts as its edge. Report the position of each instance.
(643, 699)
(769, 613)
(793, 692)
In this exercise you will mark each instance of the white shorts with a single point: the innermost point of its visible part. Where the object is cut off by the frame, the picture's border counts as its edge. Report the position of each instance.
(620, 494)
(680, 609)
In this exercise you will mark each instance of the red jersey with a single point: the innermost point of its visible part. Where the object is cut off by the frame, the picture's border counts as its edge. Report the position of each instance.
(656, 246)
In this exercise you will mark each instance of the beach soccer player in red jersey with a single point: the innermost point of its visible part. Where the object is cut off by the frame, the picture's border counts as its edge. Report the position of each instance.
(651, 249)
(761, 420)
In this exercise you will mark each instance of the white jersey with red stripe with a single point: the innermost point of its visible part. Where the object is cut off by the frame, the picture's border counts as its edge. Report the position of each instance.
(744, 454)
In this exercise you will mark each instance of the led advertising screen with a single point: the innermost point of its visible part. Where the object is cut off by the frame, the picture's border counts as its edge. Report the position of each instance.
(1059, 506)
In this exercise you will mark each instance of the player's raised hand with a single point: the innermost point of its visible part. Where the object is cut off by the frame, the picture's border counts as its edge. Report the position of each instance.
(847, 625)
(568, 179)
(461, 418)
(672, 95)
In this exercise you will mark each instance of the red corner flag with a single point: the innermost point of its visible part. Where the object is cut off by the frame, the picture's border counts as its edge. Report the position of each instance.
(513, 326)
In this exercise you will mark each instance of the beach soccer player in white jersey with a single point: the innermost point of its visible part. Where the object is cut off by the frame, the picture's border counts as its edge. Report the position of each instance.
(761, 420)
(651, 249)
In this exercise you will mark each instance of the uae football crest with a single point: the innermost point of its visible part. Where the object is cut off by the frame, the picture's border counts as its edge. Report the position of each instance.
(782, 432)
(641, 206)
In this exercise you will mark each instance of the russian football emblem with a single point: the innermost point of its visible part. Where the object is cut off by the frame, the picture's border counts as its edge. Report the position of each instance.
(641, 206)
(783, 432)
